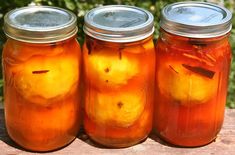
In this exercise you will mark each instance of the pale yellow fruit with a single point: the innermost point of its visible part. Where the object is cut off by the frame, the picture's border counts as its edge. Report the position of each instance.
(106, 69)
(47, 77)
(141, 48)
(149, 45)
(115, 109)
(184, 85)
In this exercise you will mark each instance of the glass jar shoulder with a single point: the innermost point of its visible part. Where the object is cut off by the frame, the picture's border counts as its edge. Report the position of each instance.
(212, 48)
(21, 51)
(138, 47)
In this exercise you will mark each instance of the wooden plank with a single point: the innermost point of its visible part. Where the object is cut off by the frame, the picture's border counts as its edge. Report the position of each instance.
(224, 144)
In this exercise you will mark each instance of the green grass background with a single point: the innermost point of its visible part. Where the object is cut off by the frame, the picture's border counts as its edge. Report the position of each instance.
(80, 7)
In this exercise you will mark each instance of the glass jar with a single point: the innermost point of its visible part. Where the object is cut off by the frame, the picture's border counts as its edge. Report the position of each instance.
(41, 61)
(119, 60)
(193, 63)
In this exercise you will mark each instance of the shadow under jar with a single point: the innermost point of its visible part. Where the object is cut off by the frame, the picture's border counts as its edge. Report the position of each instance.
(193, 63)
(41, 61)
(119, 61)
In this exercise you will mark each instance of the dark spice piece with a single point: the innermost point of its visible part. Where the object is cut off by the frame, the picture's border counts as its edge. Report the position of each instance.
(202, 71)
(106, 70)
(120, 104)
(198, 42)
(88, 45)
(173, 69)
(40, 71)
(120, 52)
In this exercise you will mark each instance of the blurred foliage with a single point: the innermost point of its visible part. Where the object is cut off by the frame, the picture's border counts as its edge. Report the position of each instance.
(81, 7)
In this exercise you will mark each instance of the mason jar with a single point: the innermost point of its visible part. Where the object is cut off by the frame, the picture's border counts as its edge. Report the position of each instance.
(193, 63)
(119, 65)
(41, 66)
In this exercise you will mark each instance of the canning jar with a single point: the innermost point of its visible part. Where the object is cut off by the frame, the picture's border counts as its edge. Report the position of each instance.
(41, 61)
(193, 63)
(119, 61)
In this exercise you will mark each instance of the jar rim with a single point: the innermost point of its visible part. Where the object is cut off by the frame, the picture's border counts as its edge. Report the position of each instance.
(196, 19)
(40, 24)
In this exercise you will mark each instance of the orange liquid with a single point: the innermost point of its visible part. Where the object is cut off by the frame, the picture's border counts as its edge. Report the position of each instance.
(119, 91)
(41, 105)
(191, 78)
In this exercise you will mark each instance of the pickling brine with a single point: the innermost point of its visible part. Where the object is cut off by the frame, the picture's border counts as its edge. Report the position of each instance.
(119, 91)
(41, 85)
(119, 66)
(192, 76)
(193, 64)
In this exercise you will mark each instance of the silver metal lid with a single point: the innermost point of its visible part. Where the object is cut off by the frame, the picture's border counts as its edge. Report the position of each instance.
(40, 24)
(196, 19)
(119, 23)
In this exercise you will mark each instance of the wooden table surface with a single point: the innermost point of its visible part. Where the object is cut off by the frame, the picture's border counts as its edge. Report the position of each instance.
(223, 145)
